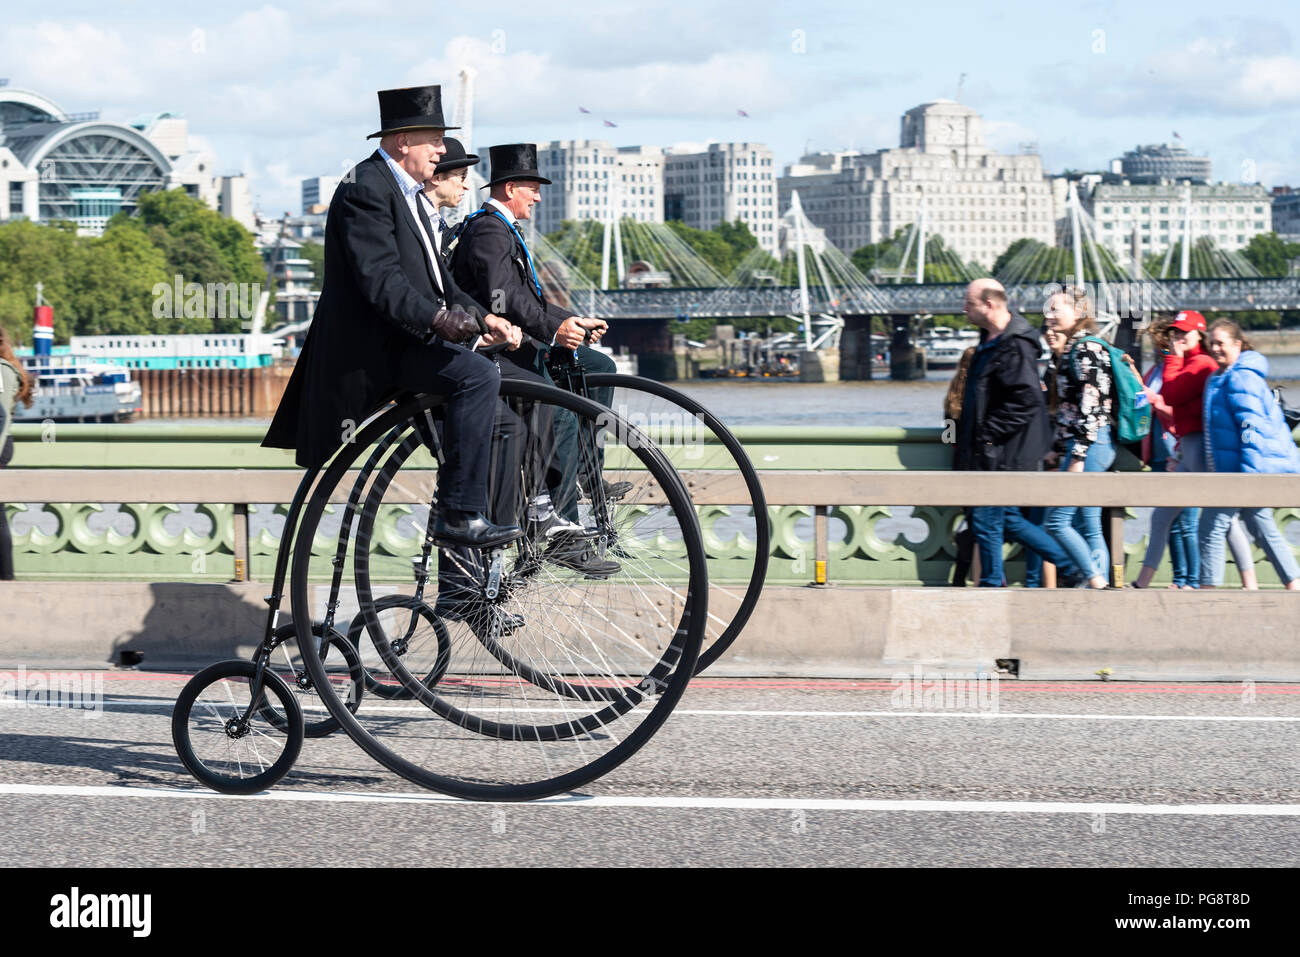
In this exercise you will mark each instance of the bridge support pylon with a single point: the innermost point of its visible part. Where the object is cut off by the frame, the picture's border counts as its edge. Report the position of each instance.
(906, 359)
(856, 349)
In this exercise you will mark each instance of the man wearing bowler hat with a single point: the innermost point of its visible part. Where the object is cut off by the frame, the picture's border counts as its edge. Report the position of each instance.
(390, 318)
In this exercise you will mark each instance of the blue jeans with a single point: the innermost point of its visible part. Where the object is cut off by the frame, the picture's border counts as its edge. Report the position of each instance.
(1087, 551)
(1259, 521)
(1185, 549)
(992, 525)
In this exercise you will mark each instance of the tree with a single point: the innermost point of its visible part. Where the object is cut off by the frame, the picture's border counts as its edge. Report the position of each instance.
(201, 246)
(314, 253)
(709, 245)
(581, 243)
(32, 253)
(1010, 253)
(1270, 254)
(113, 284)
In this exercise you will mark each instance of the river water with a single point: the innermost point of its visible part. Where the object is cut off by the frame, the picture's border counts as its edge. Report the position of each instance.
(758, 402)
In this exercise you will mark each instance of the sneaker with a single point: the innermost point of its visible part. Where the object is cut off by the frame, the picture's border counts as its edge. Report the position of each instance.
(554, 525)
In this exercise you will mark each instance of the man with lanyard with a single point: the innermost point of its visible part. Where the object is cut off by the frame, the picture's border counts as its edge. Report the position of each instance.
(492, 262)
(390, 319)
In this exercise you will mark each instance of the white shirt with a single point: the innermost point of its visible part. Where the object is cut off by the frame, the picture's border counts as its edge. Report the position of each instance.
(411, 189)
(505, 210)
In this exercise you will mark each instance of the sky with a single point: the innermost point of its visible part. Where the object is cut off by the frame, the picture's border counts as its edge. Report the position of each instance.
(284, 91)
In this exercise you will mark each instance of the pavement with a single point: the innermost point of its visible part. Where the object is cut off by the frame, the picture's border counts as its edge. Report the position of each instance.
(746, 772)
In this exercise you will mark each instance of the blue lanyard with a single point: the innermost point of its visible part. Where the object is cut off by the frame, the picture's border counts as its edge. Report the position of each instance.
(532, 269)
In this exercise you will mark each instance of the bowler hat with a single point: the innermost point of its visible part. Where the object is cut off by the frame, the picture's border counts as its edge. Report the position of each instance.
(515, 161)
(455, 157)
(412, 108)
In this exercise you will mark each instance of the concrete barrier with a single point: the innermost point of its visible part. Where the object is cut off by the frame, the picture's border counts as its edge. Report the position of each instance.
(818, 632)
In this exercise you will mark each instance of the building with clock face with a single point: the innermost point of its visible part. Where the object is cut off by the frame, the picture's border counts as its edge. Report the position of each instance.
(978, 200)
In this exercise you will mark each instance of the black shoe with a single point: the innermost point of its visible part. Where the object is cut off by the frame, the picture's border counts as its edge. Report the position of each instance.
(614, 491)
(475, 613)
(571, 551)
(472, 529)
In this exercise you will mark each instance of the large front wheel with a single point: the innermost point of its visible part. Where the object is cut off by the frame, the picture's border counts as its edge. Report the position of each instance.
(561, 664)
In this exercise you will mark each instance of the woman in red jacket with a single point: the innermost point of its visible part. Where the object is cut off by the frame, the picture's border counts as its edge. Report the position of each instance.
(1187, 367)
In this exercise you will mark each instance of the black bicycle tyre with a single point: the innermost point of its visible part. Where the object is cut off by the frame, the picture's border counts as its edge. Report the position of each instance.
(618, 703)
(356, 673)
(365, 526)
(400, 692)
(239, 668)
(762, 521)
(685, 645)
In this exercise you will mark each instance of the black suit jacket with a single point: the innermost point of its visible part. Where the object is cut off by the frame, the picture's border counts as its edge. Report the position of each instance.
(490, 265)
(378, 299)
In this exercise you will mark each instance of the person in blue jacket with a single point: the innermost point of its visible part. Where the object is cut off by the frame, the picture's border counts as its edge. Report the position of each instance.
(1244, 432)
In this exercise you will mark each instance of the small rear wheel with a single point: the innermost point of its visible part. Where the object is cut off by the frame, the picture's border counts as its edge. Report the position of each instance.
(413, 634)
(221, 734)
(342, 664)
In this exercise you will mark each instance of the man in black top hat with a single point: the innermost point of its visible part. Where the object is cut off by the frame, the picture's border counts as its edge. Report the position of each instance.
(445, 190)
(492, 262)
(390, 318)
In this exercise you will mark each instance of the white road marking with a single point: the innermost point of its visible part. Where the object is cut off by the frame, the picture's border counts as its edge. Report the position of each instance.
(700, 803)
(367, 707)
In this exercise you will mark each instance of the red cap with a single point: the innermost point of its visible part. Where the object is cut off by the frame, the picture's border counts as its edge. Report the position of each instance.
(1187, 321)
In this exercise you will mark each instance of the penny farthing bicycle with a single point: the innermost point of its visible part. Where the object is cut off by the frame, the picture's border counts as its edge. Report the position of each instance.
(551, 662)
(737, 535)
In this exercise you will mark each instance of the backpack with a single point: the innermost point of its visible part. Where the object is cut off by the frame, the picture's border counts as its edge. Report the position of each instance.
(1292, 416)
(1132, 411)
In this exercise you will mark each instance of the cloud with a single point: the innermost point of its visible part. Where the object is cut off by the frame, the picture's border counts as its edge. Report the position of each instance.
(1006, 137)
(531, 88)
(1243, 72)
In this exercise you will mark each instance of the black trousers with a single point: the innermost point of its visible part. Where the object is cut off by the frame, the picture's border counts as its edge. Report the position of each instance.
(522, 451)
(563, 486)
(6, 543)
(470, 382)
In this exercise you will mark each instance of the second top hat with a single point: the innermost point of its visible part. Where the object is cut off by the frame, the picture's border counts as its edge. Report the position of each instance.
(514, 161)
(411, 108)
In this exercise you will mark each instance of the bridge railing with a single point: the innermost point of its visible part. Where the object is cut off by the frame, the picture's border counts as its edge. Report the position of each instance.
(830, 515)
(1129, 296)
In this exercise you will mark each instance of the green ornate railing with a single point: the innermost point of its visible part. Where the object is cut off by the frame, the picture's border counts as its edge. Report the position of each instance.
(165, 542)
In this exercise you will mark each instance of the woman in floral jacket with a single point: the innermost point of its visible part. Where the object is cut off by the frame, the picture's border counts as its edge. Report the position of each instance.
(1083, 440)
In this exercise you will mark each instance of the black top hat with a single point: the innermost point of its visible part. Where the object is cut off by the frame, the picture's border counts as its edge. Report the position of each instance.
(413, 108)
(455, 157)
(515, 161)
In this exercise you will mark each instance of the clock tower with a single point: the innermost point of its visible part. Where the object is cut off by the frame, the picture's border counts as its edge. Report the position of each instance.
(943, 126)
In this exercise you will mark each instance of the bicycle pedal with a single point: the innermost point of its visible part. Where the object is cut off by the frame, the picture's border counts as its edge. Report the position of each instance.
(493, 587)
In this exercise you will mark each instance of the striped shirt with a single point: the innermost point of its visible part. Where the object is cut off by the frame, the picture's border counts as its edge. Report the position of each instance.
(411, 190)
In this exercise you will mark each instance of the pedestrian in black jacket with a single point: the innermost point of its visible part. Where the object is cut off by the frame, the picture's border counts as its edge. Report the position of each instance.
(1004, 424)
